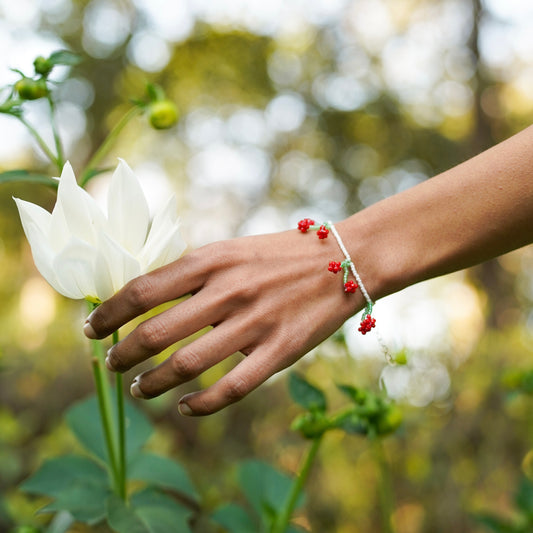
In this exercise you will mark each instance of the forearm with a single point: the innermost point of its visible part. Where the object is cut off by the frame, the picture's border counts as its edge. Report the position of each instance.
(478, 210)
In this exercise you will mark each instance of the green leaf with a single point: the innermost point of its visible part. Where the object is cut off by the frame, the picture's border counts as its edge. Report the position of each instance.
(496, 524)
(265, 487)
(122, 518)
(84, 421)
(353, 393)
(61, 523)
(524, 496)
(149, 512)
(85, 501)
(353, 424)
(162, 472)
(61, 473)
(64, 57)
(234, 519)
(161, 512)
(11, 176)
(305, 394)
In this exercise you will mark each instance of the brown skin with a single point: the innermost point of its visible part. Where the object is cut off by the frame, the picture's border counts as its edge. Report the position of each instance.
(272, 298)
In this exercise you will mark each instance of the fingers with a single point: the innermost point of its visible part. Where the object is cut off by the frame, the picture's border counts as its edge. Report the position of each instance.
(161, 331)
(192, 360)
(234, 386)
(144, 293)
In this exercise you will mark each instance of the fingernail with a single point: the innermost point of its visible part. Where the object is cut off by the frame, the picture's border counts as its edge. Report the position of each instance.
(184, 409)
(88, 329)
(108, 361)
(135, 390)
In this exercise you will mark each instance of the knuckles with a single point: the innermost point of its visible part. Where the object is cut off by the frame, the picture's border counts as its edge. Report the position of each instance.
(151, 336)
(139, 294)
(186, 365)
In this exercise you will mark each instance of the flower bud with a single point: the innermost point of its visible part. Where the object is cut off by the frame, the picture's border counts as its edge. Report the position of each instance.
(29, 89)
(390, 421)
(163, 114)
(42, 66)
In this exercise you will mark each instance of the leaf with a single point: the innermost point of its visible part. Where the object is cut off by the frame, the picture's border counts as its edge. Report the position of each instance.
(496, 524)
(524, 496)
(61, 473)
(149, 512)
(265, 487)
(60, 523)
(85, 501)
(234, 518)
(305, 394)
(20, 175)
(161, 512)
(65, 57)
(84, 421)
(356, 395)
(162, 472)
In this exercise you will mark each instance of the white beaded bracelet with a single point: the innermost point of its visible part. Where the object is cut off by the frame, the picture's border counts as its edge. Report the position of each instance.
(367, 321)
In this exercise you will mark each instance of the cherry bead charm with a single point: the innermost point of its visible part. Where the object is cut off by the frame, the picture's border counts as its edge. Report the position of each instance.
(305, 224)
(367, 324)
(350, 286)
(334, 266)
(322, 232)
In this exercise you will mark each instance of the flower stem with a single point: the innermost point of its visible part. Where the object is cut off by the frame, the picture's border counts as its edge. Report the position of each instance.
(121, 415)
(106, 145)
(40, 142)
(385, 486)
(284, 516)
(59, 149)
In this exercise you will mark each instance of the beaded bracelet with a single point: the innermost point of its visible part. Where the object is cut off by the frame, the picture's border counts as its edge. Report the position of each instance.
(350, 286)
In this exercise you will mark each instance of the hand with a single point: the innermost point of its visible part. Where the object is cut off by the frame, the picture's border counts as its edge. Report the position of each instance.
(270, 297)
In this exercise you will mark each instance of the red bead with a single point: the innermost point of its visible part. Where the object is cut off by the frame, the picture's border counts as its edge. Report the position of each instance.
(350, 286)
(367, 324)
(322, 232)
(334, 266)
(304, 224)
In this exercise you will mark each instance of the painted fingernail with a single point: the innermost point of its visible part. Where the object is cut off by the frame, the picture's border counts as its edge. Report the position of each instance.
(184, 409)
(88, 329)
(135, 390)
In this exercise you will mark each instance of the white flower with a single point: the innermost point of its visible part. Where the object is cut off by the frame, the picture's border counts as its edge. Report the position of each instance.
(84, 253)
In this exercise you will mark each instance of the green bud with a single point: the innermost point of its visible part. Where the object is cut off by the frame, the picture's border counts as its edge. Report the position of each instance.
(163, 114)
(42, 66)
(311, 425)
(29, 89)
(390, 421)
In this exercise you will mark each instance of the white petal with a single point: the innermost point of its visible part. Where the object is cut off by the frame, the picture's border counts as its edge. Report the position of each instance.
(127, 209)
(121, 265)
(77, 209)
(75, 267)
(36, 223)
(164, 243)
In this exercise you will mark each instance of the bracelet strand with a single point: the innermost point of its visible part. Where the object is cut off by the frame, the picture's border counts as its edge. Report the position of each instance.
(370, 303)
(367, 322)
(350, 262)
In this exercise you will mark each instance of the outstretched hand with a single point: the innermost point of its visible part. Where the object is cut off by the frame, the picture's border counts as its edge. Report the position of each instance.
(269, 297)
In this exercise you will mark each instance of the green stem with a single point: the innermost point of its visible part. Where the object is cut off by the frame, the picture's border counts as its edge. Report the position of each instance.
(106, 420)
(106, 145)
(40, 142)
(119, 390)
(105, 405)
(385, 486)
(59, 149)
(283, 518)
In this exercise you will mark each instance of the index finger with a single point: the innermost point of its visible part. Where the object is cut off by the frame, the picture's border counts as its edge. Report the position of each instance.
(144, 293)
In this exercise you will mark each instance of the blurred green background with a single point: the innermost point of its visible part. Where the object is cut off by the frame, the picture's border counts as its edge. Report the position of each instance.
(288, 109)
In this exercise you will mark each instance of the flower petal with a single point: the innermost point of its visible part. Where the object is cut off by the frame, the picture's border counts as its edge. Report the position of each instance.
(75, 266)
(76, 212)
(36, 222)
(127, 209)
(164, 243)
(121, 265)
